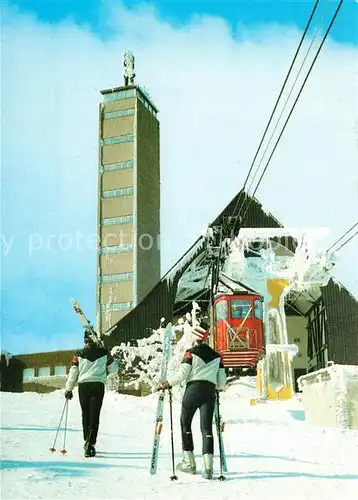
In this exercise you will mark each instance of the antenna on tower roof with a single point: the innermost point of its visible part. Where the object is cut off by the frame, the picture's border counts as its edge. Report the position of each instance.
(128, 72)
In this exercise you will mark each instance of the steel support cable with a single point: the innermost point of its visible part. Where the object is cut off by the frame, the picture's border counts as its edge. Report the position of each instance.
(290, 93)
(347, 241)
(280, 94)
(341, 238)
(336, 250)
(294, 104)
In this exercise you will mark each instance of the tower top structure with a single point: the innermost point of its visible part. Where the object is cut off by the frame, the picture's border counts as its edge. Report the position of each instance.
(128, 71)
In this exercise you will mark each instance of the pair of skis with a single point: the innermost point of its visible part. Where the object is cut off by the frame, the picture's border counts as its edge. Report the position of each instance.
(90, 331)
(163, 374)
(219, 424)
(160, 406)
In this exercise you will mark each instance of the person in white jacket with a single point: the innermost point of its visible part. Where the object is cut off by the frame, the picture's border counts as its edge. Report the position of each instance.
(203, 371)
(89, 368)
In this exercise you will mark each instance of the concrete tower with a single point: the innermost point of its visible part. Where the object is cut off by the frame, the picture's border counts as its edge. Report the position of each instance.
(128, 199)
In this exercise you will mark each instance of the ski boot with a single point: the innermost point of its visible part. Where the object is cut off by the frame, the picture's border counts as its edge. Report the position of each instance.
(208, 466)
(90, 450)
(187, 464)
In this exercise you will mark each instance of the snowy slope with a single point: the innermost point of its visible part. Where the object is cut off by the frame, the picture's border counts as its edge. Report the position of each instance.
(272, 453)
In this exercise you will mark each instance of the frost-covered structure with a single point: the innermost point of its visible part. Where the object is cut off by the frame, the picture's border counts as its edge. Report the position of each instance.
(142, 362)
(331, 396)
(257, 258)
(128, 68)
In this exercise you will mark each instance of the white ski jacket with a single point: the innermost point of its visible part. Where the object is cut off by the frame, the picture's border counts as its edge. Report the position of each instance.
(90, 365)
(201, 363)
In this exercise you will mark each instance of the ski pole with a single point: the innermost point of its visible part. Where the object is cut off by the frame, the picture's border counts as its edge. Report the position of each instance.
(221, 477)
(64, 451)
(58, 428)
(173, 477)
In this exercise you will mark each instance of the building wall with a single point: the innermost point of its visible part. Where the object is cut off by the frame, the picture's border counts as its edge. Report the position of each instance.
(15, 380)
(116, 209)
(148, 201)
(342, 324)
(128, 201)
(117, 263)
(297, 334)
(119, 206)
(117, 234)
(111, 179)
(117, 153)
(11, 374)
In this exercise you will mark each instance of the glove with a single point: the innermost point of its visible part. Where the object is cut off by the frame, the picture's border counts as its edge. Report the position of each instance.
(165, 385)
(115, 352)
(69, 395)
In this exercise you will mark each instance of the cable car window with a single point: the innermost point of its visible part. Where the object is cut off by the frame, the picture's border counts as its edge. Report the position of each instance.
(258, 309)
(221, 310)
(240, 308)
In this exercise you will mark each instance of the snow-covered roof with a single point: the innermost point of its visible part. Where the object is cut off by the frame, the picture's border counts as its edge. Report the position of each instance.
(184, 260)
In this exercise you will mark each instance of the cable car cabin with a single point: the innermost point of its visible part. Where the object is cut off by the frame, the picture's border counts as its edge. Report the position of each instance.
(239, 329)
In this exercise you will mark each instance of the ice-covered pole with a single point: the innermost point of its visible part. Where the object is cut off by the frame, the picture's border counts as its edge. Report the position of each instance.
(275, 271)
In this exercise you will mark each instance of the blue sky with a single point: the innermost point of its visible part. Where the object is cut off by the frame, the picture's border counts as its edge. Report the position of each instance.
(57, 55)
(247, 12)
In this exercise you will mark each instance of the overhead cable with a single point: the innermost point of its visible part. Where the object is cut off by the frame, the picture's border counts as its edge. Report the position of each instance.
(282, 89)
(294, 104)
(290, 93)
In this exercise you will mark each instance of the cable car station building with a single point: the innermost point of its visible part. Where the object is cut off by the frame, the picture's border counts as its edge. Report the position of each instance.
(322, 321)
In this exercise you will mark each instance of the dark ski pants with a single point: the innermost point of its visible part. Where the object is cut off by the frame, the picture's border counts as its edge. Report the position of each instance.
(91, 397)
(198, 394)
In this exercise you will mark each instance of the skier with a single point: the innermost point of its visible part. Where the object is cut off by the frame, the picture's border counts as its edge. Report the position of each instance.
(203, 371)
(89, 369)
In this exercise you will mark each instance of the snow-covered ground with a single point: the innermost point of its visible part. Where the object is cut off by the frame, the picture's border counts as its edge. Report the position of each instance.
(271, 452)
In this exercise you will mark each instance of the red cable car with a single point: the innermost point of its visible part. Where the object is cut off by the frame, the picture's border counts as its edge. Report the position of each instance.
(238, 334)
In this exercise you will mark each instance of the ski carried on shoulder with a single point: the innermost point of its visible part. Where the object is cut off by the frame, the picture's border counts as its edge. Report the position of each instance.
(219, 424)
(160, 407)
(86, 323)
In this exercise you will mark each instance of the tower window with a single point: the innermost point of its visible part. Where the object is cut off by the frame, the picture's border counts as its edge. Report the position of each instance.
(121, 94)
(117, 220)
(115, 278)
(117, 249)
(119, 114)
(118, 166)
(120, 306)
(117, 140)
(118, 192)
